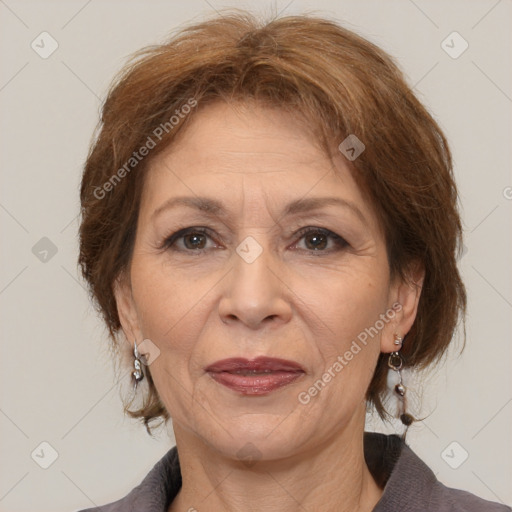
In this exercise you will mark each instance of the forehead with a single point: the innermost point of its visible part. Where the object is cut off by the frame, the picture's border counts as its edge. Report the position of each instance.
(248, 153)
(222, 133)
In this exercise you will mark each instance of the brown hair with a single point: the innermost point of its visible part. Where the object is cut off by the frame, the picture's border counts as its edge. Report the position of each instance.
(340, 84)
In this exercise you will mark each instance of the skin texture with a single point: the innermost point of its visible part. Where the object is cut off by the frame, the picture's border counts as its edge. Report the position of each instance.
(294, 301)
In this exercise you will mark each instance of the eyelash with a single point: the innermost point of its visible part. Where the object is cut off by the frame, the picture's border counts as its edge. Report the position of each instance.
(340, 242)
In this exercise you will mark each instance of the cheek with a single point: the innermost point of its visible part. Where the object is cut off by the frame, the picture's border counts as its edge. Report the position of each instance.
(348, 344)
(173, 308)
(165, 298)
(172, 314)
(347, 302)
(162, 306)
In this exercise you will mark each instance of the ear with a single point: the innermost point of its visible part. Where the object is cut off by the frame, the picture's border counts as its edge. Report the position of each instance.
(126, 309)
(404, 299)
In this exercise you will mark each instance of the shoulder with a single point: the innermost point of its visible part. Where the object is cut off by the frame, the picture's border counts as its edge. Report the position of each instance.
(154, 493)
(454, 500)
(409, 484)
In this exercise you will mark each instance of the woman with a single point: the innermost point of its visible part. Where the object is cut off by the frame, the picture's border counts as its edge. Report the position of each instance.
(269, 224)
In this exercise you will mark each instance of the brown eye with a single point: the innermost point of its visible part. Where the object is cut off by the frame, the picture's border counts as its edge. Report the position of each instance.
(191, 240)
(194, 241)
(316, 241)
(320, 240)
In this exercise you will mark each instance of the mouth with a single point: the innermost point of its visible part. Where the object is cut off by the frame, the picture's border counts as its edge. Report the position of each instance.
(256, 377)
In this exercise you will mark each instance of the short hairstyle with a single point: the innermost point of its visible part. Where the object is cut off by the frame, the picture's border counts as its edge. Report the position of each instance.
(335, 81)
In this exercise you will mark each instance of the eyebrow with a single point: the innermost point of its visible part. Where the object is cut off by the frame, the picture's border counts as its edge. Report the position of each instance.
(215, 208)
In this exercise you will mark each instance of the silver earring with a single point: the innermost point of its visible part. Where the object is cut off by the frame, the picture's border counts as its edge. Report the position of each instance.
(137, 374)
(395, 363)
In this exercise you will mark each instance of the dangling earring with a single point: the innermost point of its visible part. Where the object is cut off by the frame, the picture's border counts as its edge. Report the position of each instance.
(395, 362)
(137, 374)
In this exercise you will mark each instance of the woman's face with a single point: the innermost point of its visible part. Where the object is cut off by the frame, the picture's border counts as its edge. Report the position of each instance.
(284, 258)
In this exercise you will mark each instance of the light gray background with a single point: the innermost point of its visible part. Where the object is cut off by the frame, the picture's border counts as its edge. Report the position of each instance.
(56, 375)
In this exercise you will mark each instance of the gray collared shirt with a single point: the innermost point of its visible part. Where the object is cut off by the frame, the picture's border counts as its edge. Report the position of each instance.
(409, 485)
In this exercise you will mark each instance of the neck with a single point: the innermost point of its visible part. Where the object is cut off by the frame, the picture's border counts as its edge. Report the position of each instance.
(329, 477)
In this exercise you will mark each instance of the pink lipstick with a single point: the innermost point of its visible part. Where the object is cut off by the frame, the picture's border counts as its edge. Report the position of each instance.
(256, 377)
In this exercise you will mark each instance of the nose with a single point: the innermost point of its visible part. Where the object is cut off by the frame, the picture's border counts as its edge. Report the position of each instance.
(255, 294)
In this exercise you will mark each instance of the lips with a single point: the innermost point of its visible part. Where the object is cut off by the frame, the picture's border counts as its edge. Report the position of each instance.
(255, 377)
(260, 364)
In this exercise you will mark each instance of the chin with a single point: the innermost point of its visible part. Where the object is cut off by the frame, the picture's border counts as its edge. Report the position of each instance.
(253, 437)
